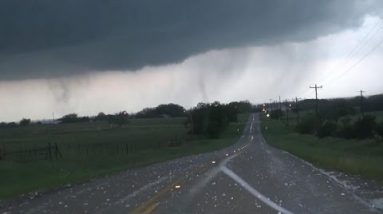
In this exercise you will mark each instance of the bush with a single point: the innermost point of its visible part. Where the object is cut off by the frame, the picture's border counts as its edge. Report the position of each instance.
(308, 125)
(346, 131)
(328, 128)
(276, 114)
(364, 127)
(379, 129)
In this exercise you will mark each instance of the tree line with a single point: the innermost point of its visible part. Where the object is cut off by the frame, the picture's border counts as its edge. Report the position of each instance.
(347, 118)
(211, 119)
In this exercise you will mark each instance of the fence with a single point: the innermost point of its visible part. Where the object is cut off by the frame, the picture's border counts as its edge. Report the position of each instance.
(100, 149)
(48, 152)
(74, 151)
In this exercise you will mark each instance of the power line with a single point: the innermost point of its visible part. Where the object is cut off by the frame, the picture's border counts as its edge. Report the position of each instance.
(361, 59)
(353, 52)
(365, 40)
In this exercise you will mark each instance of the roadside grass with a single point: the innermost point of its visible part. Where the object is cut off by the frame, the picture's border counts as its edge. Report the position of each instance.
(364, 158)
(293, 117)
(150, 139)
(377, 114)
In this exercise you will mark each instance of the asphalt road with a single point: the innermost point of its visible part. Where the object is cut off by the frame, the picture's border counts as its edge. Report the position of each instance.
(248, 177)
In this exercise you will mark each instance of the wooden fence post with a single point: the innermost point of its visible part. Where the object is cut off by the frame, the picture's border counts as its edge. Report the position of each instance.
(34, 151)
(2, 152)
(49, 151)
(57, 152)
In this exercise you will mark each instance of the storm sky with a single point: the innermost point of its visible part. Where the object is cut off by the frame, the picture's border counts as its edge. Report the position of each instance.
(88, 56)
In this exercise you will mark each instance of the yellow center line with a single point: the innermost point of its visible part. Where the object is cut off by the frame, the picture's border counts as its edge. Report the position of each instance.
(152, 203)
(150, 208)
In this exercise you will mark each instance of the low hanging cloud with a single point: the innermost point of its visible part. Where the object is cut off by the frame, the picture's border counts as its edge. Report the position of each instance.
(44, 39)
(257, 74)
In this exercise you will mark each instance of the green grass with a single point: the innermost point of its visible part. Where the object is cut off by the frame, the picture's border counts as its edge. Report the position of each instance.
(149, 139)
(377, 114)
(357, 157)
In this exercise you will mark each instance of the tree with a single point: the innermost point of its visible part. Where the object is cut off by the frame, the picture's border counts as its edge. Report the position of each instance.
(101, 117)
(69, 118)
(119, 119)
(218, 120)
(73, 118)
(169, 110)
(211, 119)
(199, 118)
(25, 122)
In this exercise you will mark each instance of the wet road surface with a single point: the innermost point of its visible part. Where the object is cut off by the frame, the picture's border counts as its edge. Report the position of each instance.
(248, 177)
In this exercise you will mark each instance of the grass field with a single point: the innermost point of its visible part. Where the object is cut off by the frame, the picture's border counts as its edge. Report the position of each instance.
(363, 158)
(293, 116)
(94, 149)
(377, 114)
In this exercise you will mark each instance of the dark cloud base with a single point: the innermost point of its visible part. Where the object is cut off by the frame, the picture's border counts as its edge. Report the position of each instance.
(49, 38)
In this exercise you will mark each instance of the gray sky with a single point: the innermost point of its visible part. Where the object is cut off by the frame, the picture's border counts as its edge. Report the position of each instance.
(88, 56)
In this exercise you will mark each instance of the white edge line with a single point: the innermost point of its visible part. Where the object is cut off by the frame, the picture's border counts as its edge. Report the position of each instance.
(325, 173)
(335, 180)
(253, 191)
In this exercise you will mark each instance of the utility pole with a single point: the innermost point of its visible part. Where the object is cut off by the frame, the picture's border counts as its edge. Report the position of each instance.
(280, 109)
(297, 109)
(361, 102)
(287, 112)
(316, 98)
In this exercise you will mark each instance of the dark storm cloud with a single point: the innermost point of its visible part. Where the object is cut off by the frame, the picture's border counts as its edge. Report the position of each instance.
(47, 38)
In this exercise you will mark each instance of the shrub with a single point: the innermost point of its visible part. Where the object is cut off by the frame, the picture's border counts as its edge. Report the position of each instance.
(308, 125)
(276, 114)
(328, 128)
(364, 127)
(379, 129)
(346, 131)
